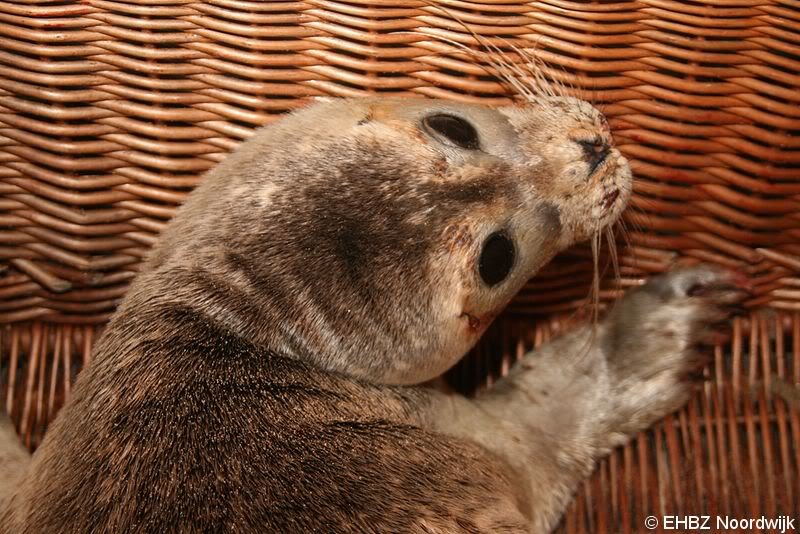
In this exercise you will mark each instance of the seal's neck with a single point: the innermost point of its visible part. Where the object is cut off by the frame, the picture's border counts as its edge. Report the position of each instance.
(352, 334)
(273, 320)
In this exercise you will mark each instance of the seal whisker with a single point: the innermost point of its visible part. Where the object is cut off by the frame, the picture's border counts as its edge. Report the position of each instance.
(537, 68)
(505, 69)
(612, 251)
(531, 85)
(593, 298)
(625, 234)
(634, 207)
(595, 289)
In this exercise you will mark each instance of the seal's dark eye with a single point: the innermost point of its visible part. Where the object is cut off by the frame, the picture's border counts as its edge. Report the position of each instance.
(497, 258)
(452, 129)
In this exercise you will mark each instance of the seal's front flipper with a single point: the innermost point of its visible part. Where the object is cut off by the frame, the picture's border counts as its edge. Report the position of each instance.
(568, 403)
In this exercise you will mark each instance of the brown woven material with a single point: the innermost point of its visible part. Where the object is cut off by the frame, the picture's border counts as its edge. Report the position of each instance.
(110, 111)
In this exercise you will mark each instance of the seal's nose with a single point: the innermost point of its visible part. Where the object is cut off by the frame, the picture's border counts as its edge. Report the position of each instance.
(595, 150)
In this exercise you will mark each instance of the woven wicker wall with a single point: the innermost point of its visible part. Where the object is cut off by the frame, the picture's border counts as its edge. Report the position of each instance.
(110, 110)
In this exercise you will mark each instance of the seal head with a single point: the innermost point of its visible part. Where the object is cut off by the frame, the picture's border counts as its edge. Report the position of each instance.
(379, 237)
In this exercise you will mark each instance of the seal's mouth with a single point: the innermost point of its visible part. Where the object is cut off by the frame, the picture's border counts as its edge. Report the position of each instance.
(613, 175)
(609, 198)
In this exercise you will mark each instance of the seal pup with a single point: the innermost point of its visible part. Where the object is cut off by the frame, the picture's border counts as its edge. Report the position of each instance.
(261, 374)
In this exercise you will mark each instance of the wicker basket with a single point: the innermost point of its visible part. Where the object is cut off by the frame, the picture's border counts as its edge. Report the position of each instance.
(110, 110)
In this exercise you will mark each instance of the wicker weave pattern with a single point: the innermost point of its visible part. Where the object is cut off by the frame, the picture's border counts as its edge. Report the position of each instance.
(110, 111)
(733, 451)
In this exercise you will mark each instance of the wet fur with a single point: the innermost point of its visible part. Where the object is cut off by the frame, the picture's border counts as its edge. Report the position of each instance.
(259, 375)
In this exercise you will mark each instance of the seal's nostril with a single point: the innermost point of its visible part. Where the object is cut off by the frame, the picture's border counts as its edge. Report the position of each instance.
(595, 151)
